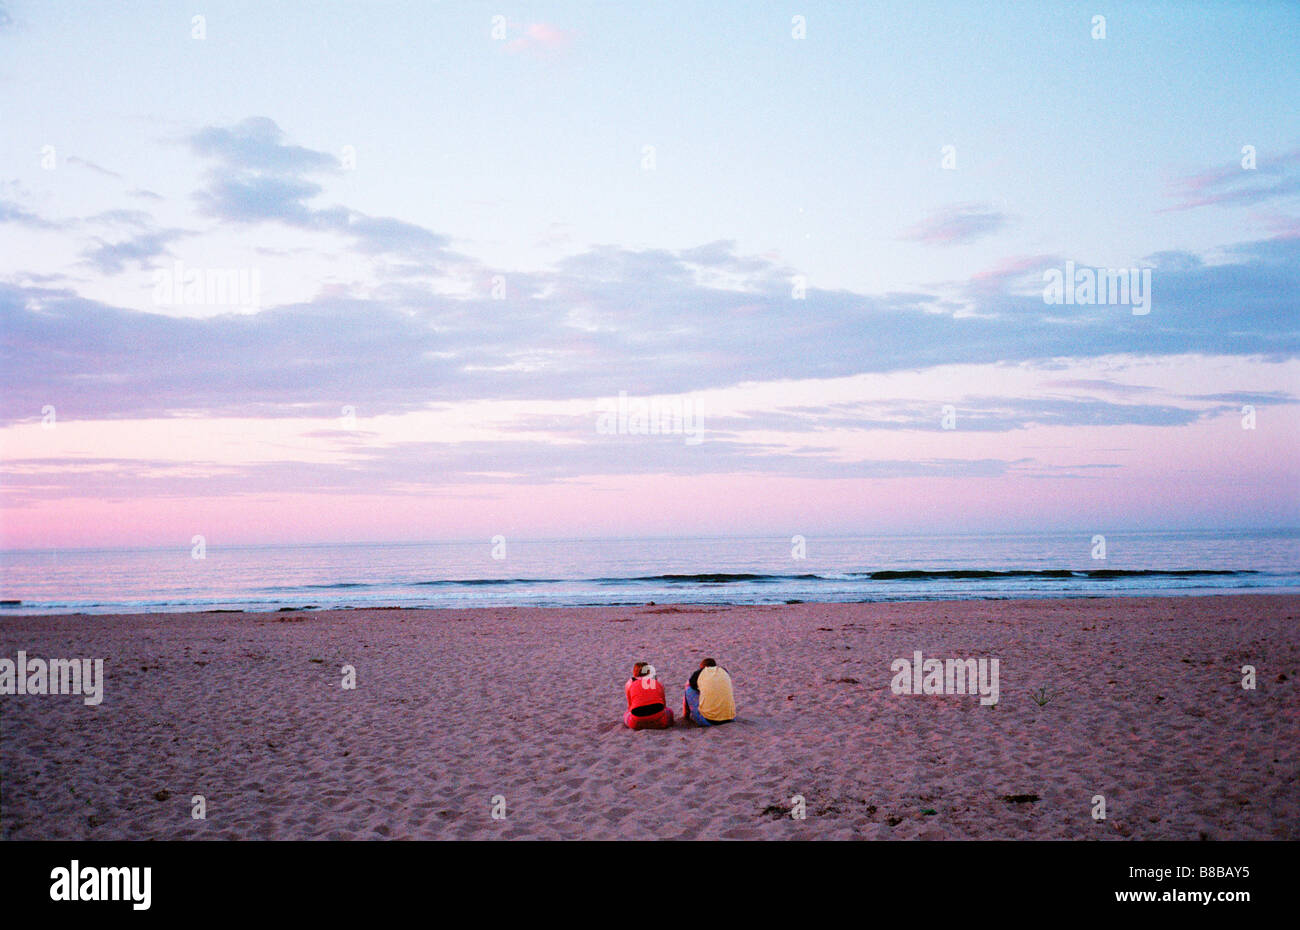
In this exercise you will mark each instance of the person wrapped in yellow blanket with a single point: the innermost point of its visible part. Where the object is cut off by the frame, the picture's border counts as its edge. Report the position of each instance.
(709, 699)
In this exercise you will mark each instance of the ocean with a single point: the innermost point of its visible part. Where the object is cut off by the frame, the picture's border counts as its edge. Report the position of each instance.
(570, 573)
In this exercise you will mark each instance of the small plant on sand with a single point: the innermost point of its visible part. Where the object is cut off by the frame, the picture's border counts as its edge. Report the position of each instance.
(1042, 696)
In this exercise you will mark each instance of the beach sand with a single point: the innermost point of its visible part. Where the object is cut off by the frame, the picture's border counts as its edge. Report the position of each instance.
(454, 707)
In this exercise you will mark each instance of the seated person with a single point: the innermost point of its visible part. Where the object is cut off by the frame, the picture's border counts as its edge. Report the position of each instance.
(709, 700)
(647, 706)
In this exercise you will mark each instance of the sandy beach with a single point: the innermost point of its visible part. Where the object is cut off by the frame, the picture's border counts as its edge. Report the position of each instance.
(453, 708)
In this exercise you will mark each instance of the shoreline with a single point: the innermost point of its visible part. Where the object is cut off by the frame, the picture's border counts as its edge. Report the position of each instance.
(19, 612)
(456, 706)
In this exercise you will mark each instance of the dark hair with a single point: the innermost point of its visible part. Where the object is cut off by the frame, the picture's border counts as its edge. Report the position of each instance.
(709, 663)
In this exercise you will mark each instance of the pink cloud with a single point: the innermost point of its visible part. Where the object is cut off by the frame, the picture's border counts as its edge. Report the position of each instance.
(1275, 178)
(1282, 226)
(1010, 271)
(958, 224)
(541, 37)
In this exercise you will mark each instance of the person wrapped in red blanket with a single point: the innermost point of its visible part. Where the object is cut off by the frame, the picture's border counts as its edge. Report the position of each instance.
(647, 706)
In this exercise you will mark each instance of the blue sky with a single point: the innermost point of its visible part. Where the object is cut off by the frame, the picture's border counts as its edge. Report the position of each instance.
(523, 159)
(822, 149)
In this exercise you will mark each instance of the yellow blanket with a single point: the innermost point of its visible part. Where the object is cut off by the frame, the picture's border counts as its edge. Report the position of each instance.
(716, 700)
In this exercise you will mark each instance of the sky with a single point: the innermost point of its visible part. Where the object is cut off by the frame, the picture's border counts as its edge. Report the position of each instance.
(382, 271)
